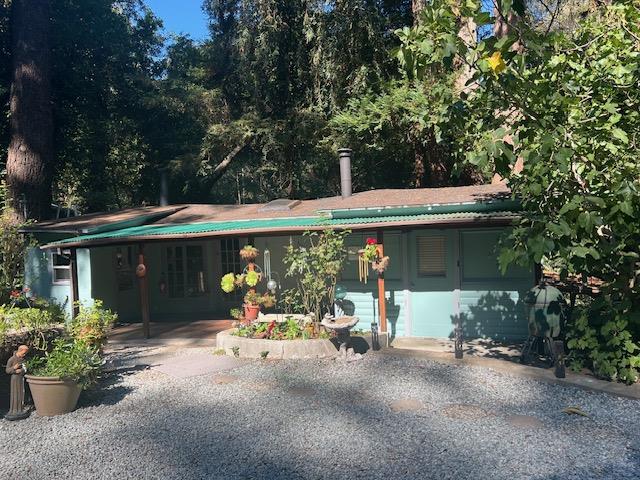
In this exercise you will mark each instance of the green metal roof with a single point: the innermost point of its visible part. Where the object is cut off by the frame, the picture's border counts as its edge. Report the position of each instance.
(276, 224)
(405, 210)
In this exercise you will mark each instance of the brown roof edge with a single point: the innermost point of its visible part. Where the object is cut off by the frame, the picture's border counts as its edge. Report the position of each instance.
(90, 221)
(487, 221)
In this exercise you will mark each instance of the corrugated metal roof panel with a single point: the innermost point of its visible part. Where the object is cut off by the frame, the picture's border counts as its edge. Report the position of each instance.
(279, 224)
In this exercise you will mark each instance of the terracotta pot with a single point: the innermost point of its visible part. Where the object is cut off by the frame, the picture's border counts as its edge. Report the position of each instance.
(53, 396)
(251, 311)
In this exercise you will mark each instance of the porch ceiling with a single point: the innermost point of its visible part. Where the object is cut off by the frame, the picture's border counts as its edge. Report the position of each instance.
(280, 225)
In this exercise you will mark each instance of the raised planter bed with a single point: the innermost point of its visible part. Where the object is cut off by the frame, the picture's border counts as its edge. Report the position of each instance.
(278, 349)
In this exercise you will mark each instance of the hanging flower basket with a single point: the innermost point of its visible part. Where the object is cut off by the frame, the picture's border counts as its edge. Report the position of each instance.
(249, 253)
(370, 254)
(380, 265)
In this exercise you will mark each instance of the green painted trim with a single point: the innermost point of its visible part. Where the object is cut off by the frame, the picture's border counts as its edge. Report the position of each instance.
(468, 207)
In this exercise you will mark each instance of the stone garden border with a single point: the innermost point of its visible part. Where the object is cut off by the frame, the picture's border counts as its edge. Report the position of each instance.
(278, 349)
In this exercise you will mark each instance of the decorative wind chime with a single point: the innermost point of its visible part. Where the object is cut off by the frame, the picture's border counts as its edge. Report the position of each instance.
(370, 254)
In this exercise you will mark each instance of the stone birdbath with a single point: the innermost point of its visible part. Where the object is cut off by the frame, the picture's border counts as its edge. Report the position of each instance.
(342, 327)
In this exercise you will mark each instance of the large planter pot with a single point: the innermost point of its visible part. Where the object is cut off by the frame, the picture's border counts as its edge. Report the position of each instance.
(53, 396)
(251, 311)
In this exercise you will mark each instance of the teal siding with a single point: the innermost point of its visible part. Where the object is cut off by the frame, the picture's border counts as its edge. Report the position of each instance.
(471, 291)
(85, 292)
(362, 299)
(433, 300)
(491, 304)
(39, 277)
(496, 313)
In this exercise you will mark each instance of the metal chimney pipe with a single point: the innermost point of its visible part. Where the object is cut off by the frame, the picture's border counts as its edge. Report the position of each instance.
(345, 171)
(164, 188)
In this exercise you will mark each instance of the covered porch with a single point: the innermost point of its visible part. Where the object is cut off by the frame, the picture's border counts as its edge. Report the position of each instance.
(197, 332)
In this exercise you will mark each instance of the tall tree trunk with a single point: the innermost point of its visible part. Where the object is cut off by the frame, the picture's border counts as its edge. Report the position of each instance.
(419, 154)
(505, 25)
(468, 33)
(416, 8)
(30, 156)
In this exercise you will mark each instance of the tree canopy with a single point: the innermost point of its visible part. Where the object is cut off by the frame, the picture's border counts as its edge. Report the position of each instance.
(567, 106)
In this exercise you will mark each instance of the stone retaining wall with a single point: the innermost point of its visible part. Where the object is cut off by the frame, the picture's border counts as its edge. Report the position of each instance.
(279, 349)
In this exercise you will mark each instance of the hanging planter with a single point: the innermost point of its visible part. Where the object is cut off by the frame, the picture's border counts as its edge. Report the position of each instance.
(249, 253)
(380, 265)
(252, 278)
(370, 254)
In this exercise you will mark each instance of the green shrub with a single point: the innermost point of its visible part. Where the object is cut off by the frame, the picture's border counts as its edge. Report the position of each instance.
(12, 247)
(316, 268)
(57, 311)
(70, 359)
(600, 339)
(92, 324)
(29, 318)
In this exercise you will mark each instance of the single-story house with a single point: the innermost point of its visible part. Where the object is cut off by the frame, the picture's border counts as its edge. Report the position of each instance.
(441, 242)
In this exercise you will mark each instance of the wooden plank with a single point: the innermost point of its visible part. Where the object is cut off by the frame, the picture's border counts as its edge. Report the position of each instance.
(382, 303)
(75, 295)
(141, 272)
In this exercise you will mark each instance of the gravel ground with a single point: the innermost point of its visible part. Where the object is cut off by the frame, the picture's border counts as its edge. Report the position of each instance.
(381, 417)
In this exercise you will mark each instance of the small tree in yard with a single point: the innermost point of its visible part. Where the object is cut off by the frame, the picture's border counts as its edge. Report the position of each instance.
(316, 268)
(12, 249)
(568, 106)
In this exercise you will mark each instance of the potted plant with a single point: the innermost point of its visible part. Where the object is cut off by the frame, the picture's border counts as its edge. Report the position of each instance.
(249, 253)
(253, 301)
(57, 379)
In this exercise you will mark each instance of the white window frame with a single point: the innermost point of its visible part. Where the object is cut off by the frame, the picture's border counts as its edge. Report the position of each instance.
(54, 268)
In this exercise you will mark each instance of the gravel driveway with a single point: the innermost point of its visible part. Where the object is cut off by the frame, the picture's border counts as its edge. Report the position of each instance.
(380, 417)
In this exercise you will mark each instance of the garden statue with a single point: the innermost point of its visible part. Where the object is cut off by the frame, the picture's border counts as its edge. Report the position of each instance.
(17, 369)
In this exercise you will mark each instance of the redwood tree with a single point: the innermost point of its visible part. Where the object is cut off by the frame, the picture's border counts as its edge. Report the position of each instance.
(30, 156)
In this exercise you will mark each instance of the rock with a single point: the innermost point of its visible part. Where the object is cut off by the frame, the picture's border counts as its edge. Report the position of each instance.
(224, 379)
(524, 421)
(406, 405)
(465, 411)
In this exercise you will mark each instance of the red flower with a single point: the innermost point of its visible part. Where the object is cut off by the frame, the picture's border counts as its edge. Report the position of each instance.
(270, 327)
(371, 241)
(14, 294)
(26, 289)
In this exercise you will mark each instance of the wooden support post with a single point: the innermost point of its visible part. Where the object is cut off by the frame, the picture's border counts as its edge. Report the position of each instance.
(141, 273)
(75, 295)
(382, 299)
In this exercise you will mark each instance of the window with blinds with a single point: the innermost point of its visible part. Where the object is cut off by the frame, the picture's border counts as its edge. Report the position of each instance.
(432, 256)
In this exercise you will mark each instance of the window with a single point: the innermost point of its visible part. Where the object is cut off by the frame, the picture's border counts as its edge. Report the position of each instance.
(432, 256)
(230, 261)
(61, 268)
(123, 259)
(186, 271)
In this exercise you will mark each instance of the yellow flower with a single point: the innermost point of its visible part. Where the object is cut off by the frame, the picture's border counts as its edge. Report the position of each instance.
(497, 63)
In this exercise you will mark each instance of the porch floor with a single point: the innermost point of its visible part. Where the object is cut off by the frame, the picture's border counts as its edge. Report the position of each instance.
(475, 347)
(197, 331)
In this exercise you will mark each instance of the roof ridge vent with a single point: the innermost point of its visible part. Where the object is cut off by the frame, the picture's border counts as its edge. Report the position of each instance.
(279, 205)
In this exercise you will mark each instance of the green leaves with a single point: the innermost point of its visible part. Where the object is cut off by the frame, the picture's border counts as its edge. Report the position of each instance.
(620, 135)
(567, 105)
